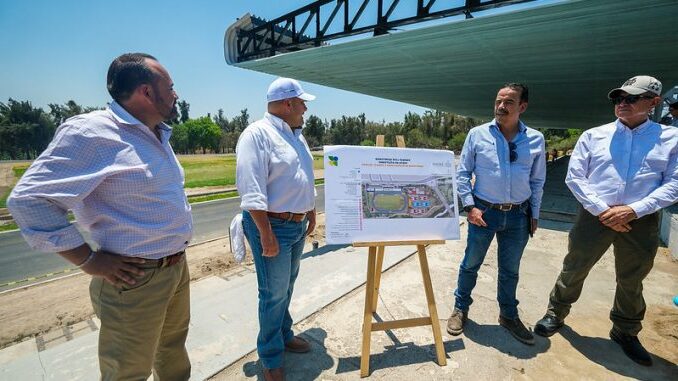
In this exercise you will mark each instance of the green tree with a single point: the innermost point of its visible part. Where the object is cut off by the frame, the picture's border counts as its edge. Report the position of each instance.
(69, 109)
(348, 130)
(411, 122)
(314, 131)
(225, 126)
(25, 131)
(184, 108)
(241, 121)
(415, 138)
(179, 139)
(457, 141)
(203, 134)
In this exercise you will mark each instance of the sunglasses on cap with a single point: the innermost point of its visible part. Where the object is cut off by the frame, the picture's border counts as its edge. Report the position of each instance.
(629, 99)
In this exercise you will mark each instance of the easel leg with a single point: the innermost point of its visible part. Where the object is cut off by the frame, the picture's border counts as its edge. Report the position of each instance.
(377, 276)
(433, 311)
(367, 317)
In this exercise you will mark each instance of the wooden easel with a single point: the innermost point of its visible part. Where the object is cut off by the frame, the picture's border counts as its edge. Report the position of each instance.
(374, 266)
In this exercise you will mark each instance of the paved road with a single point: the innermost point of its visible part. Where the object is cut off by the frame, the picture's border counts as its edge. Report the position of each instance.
(18, 262)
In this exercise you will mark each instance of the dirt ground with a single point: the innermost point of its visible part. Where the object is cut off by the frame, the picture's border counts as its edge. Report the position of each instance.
(34, 310)
(6, 175)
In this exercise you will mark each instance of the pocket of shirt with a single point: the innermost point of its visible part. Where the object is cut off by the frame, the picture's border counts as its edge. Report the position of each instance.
(486, 158)
(655, 163)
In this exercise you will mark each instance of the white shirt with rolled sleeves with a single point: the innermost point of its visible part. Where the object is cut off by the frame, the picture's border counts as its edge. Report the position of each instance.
(123, 185)
(614, 165)
(274, 168)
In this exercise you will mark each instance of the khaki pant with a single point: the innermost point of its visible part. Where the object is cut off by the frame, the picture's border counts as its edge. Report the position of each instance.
(634, 254)
(144, 326)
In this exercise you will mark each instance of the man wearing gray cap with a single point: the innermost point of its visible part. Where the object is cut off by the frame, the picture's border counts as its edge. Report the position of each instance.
(274, 177)
(622, 173)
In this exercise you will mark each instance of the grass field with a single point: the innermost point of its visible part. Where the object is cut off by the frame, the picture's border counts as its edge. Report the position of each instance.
(217, 170)
(200, 171)
(4, 193)
(389, 202)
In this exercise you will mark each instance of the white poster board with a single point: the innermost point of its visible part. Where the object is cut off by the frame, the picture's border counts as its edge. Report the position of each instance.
(389, 194)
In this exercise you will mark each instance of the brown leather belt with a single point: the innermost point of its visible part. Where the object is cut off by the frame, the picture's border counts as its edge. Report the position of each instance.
(288, 216)
(167, 261)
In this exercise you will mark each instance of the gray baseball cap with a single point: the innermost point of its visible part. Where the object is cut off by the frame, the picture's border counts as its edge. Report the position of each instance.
(637, 85)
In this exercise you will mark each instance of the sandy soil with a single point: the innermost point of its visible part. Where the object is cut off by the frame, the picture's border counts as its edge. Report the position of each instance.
(31, 311)
(6, 175)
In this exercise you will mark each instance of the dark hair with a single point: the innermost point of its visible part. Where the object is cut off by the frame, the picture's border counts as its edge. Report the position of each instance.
(128, 72)
(524, 91)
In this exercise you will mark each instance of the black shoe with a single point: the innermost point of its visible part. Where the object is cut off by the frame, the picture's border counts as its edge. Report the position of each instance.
(517, 329)
(632, 347)
(548, 325)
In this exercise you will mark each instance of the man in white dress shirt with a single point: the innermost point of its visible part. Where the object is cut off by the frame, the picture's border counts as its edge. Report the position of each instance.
(274, 177)
(115, 170)
(622, 173)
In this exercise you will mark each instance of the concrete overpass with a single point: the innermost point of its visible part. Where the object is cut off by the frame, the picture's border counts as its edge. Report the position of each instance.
(570, 53)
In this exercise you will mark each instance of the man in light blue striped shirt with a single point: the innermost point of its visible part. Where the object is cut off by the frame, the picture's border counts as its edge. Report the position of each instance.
(622, 173)
(115, 170)
(509, 163)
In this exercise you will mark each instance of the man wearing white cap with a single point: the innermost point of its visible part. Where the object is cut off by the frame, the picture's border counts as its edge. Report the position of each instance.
(622, 173)
(274, 176)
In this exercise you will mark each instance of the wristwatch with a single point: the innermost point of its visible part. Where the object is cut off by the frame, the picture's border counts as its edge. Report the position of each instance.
(468, 208)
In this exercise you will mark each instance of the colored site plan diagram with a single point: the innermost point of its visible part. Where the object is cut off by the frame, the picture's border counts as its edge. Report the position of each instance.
(407, 196)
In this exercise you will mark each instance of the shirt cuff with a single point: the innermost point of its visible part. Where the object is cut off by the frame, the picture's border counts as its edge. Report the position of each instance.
(253, 201)
(467, 200)
(640, 208)
(54, 241)
(596, 209)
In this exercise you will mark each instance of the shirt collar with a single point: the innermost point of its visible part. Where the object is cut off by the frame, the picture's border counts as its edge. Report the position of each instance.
(281, 124)
(521, 126)
(639, 129)
(123, 117)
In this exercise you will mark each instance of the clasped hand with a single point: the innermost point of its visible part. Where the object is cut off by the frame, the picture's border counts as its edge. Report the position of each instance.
(618, 217)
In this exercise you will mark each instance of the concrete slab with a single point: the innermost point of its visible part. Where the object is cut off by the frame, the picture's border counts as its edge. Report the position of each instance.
(224, 322)
(223, 319)
(22, 357)
(72, 360)
(485, 351)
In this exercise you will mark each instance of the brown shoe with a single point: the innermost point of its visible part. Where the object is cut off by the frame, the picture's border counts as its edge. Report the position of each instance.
(275, 374)
(298, 345)
(455, 324)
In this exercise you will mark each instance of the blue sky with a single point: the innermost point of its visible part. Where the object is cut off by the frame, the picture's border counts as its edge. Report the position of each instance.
(54, 51)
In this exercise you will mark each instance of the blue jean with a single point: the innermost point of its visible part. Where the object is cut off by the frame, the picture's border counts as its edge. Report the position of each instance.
(275, 279)
(512, 233)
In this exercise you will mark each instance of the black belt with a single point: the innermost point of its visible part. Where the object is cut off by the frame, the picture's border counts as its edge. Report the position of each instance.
(501, 207)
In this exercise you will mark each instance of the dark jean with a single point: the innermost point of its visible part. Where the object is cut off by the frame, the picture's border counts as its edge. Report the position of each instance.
(511, 229)
(275, 278)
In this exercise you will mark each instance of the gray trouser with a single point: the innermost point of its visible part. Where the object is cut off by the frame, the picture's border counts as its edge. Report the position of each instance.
(634, 254)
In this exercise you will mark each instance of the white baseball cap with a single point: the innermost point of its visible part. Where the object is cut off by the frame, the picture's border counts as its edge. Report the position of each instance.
(285, 88)
(638, 85)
